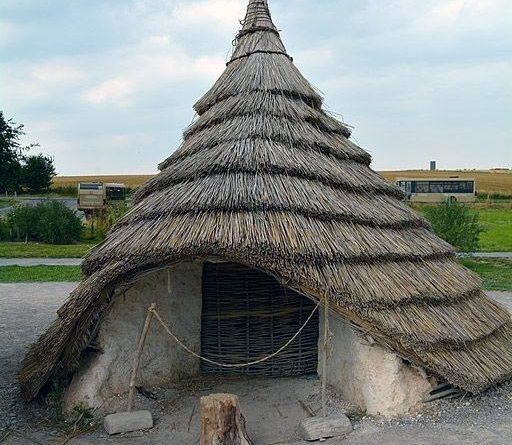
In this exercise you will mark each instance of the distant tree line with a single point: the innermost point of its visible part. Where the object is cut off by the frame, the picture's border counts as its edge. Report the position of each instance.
(20, 171)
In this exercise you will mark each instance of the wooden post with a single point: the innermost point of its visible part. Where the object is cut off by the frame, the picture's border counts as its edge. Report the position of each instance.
(222, 423)
(136, 361)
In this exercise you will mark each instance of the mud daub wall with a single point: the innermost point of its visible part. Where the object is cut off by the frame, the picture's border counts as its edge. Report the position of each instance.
(177, 293)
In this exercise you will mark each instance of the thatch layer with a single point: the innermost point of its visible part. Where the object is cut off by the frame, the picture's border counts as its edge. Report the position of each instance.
(267, 179)
(301, 134)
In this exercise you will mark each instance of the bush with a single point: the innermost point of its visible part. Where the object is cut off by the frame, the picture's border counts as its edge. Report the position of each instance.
(456, 224)
(57, 223)
(5, 231)
(22, 222)
(50, 222)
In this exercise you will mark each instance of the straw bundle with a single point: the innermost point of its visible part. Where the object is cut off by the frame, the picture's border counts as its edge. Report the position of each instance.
(267, 179)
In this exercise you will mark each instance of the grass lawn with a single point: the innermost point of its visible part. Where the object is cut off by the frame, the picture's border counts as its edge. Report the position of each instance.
(17, 274)
(496, 219)
(498, 229)
(40, 250)
(496, 274)
(6, 203)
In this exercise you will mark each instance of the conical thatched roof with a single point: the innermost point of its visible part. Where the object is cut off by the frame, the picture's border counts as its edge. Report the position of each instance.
(266, 178)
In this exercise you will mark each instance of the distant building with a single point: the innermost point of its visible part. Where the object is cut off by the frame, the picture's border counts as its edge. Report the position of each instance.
(438, 189)
(433, 166)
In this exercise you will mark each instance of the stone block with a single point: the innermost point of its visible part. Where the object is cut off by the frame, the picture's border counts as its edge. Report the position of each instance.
(128, 422)
(316, 428)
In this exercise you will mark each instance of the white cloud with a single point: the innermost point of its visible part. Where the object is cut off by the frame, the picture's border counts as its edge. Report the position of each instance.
(32, 82)
(118, 90)
(9, 32)
(223, 13)
(57, 72)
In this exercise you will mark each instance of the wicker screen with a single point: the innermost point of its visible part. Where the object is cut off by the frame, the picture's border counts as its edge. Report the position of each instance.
(248, 315)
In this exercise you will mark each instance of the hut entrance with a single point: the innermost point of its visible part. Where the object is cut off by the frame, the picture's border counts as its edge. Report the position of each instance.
(247, 315)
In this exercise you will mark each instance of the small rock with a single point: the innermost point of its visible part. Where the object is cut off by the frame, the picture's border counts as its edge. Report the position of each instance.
(316, 428)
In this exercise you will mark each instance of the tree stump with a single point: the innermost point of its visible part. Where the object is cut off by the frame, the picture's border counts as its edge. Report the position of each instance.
(222, 423)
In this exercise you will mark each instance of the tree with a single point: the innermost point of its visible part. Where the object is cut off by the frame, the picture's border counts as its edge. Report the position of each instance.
(37, 173)
(11, 152)
(456, 224)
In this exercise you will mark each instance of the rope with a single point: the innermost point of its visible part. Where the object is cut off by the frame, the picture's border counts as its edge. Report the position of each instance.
(258, 51)
(226, 365)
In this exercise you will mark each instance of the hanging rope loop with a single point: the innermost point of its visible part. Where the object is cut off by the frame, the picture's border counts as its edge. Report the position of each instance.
(165, 326)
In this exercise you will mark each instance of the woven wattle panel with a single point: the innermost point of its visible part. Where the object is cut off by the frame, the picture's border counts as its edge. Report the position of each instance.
(247, 315)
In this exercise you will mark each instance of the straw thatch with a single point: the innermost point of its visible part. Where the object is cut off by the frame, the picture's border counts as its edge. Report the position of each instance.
(268, 179)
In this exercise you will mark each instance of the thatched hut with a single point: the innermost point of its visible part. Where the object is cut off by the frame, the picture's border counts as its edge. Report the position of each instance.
(266, 208)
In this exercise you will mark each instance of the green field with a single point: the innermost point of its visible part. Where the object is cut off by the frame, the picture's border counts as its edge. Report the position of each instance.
(496, 274)
(40, 250)
(496, 219)
(17, 274)
(498, 229)
(6, 203)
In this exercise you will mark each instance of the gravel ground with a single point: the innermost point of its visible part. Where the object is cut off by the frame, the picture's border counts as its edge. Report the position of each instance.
(26, 310)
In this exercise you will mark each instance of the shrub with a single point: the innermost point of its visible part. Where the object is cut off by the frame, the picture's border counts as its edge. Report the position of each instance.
(50, 222)
(22, 222)
(5, 231)
(57, 223)
(456, 224)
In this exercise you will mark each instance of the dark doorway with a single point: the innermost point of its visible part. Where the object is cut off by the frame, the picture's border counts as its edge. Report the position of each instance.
(247, 315)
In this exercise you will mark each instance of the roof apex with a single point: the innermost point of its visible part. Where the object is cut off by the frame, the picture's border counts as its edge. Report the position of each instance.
(258, 33)
(258, 15)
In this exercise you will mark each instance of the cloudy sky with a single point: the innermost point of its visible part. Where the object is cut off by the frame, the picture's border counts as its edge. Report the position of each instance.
(107, 86)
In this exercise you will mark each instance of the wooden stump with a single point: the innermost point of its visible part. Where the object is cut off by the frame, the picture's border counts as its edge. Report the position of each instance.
(222, 423)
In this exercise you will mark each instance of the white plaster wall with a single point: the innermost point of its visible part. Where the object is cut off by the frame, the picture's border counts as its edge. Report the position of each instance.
(369, 375)
(178, 296)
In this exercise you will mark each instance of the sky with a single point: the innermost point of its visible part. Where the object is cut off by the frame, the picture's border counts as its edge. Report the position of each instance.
(107, 86)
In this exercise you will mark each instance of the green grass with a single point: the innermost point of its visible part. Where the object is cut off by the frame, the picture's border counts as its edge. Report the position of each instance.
(18, 274)
(6, 203)
(496, 218)
(498, 229)
(496, 274)
(40, 250)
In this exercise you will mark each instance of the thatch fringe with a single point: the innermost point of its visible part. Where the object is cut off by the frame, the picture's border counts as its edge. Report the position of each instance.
(276, 74)
(300, 134)
(265, 158)
(275, 193)
(284, 234)
(273, 105)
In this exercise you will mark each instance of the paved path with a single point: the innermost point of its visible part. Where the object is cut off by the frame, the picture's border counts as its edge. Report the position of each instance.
(40, 261)
(498, 255)
(505, 298)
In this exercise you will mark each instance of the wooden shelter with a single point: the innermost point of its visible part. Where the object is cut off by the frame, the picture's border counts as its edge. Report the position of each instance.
(266, 179)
